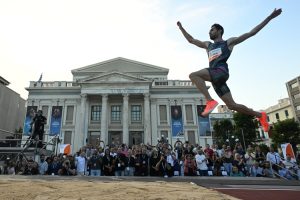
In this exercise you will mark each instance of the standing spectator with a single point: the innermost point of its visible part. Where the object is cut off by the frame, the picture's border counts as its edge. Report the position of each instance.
(95, 163)
(154, 159)
(81, 164)
(208, 151)
(227, 160)
(249, 159)
(141, 163)
(201, 162)
(129, 164)
(163, 167)
(43, 165)
(108, 163)
(119, 163)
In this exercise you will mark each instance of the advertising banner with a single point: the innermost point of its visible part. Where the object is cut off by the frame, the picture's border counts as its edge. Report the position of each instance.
(31, 111)
(177, 124)
(55, 124)
(204, 123)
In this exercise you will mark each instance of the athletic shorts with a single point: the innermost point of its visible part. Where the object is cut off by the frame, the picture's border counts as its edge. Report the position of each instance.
(219, 76)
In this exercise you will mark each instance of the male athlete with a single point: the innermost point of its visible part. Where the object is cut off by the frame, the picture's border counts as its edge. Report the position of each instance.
(218, 52)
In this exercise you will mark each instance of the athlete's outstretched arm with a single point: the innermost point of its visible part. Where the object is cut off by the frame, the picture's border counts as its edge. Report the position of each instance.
(191, 40)
(236, 40)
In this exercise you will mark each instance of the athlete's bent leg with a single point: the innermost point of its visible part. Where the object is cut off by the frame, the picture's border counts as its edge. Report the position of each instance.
(199, 78)
(228, 100)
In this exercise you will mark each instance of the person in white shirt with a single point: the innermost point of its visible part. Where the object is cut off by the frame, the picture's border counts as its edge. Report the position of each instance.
(81, 164)
(274, 158)
(201, 162)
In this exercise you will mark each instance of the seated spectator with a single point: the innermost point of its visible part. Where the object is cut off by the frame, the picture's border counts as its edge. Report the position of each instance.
(259, 156)
(11, 168)
(239, 163)
(190, 166)
(119, 163)
(67, 169)
(54, 166)
(267, 171)
(284, 172)
(43, 165)
(256, 170)
(228, 159)
(32, 168)
(274, 158)
(236, 172)
(217, 166)
(154, 159)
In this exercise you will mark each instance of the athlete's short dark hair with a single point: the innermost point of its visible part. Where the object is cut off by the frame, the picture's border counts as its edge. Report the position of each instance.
(219, 27)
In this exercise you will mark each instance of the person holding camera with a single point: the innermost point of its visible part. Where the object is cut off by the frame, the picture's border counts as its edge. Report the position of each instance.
(67, 169)
(37, 127)
(163, 167)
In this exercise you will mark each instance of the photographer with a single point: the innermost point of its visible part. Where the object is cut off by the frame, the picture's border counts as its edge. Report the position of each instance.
(67, 169)
(163, 167)
(37, 127)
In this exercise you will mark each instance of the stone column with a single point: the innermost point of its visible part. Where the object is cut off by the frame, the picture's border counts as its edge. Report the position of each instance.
(147, 124)
(83, 128)
(125, 119)
(104, 134)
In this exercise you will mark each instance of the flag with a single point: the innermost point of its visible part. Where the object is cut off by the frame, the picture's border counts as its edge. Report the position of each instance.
(40, 79)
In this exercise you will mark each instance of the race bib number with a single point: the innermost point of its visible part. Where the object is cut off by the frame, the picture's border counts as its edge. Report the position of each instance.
(213, 54)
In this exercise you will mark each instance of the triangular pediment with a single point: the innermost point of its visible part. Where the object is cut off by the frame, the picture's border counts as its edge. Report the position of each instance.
(113, 77)
(120, 65)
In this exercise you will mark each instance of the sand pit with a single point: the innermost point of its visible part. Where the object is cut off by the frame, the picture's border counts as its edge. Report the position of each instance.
(15, 188)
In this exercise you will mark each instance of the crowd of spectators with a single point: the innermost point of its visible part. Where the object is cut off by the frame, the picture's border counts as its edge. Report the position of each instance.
(162, 160)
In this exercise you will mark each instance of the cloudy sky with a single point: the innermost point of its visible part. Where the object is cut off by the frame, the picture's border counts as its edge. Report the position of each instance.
(55, 36)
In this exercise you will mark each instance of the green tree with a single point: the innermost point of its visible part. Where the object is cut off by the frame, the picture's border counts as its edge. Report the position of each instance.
(287, 131)
(245, 128)
(222, 129)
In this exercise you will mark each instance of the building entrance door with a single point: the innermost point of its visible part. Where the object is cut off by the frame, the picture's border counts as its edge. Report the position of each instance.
(94, 138)
(191, 137)
(115, 137)
(135, 137)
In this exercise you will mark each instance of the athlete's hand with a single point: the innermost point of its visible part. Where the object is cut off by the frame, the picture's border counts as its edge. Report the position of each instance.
(179, 24)
(275, 13)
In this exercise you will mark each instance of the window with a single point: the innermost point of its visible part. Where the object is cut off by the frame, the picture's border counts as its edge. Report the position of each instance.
(294, 85)
(70, 113)
(45, 111)
(68, 137)
(189, 114)
(286, 113)
(96, 113)
(136, 113)
(277, 116)
(297, 96)
(163, 114)
(115, 113)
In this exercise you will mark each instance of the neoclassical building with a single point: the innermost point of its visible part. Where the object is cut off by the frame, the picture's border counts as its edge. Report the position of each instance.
(120, 101)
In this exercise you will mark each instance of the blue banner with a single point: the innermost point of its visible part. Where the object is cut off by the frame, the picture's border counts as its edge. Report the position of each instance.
(204, 123)
(30, 113)
(55, 124)
(177, 125)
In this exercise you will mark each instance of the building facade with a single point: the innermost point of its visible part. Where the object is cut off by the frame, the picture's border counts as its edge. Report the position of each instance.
(12, 110)
(293, 88)
(281, 111)
(121, 101)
